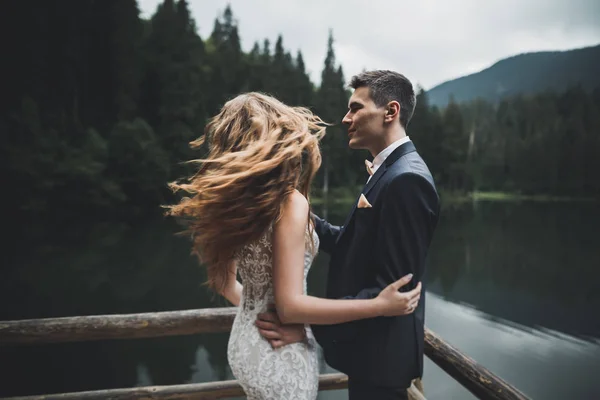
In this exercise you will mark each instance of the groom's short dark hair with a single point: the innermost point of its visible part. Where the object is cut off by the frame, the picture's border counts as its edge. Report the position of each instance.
(385, 86)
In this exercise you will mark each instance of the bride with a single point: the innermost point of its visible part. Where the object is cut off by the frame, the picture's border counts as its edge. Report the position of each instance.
(248, 213)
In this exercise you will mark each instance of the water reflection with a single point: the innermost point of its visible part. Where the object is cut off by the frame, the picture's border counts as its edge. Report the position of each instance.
(512, 285)
(532, 263)
(544, 365)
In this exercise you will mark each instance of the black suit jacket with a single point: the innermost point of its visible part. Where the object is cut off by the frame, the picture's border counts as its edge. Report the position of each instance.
(375, 247)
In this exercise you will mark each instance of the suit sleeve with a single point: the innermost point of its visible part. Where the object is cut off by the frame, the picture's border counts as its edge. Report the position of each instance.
(406, 224)
(327, 233)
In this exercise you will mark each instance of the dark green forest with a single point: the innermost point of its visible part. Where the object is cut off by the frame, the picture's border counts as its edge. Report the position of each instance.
(99, 105)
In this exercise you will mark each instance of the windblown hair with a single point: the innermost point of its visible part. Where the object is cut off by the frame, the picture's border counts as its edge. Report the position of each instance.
(260, 151)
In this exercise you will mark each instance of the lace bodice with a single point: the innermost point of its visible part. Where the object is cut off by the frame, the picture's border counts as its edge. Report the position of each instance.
(255, 266)
(290, 372)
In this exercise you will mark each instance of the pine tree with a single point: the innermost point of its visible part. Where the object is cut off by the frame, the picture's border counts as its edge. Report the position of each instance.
(454, 148)
(174, 97)
(303, 88)
(425, 130)
(229, 73)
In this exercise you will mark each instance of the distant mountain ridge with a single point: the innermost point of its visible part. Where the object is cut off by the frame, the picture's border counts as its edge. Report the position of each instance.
(524, 73)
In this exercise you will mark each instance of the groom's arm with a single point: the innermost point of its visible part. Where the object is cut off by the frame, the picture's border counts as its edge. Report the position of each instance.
(408, 218)
(327, 233)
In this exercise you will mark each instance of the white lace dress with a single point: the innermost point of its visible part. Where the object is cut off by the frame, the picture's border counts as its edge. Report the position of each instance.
(290, 372)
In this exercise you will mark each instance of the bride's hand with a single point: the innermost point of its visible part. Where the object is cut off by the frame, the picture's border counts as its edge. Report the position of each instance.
(394, 303)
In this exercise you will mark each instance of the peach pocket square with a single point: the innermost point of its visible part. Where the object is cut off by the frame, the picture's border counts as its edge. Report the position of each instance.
(363, 202)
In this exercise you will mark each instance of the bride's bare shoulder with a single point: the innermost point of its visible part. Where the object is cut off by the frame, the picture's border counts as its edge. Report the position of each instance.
(295, 207)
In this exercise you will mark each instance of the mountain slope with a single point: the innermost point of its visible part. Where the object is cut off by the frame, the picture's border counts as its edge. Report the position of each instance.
(524, 73)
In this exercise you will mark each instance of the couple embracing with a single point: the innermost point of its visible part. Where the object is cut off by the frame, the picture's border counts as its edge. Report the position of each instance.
(249, 214)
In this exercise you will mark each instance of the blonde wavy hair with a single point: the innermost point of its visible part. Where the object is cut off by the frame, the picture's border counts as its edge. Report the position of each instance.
(260, 151)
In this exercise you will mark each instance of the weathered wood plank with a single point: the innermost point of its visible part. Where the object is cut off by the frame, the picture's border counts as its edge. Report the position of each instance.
(117, 326)
(211, 390)
(473, 376)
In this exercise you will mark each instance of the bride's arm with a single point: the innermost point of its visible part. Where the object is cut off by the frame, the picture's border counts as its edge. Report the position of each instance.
(233, 289)
(288, 277)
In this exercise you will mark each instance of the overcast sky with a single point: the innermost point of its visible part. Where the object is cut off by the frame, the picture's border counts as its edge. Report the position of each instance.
(430, 41)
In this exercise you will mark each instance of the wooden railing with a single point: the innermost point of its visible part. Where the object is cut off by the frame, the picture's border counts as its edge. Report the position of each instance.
(474, 377)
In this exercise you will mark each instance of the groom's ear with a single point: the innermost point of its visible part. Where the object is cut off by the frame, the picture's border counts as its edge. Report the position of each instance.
(392, 111)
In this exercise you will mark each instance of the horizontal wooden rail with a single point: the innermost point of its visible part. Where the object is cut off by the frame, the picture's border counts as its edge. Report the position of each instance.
(210, 390)
(474, 377)
(116, 326)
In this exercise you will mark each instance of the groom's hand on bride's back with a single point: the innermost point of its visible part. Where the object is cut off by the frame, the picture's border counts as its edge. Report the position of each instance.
(276, 333)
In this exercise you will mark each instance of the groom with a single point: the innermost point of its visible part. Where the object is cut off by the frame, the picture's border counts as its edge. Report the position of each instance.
(385, 237)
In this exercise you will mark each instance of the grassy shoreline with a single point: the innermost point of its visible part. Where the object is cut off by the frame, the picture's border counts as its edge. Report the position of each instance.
(342, 196)
(506, 196)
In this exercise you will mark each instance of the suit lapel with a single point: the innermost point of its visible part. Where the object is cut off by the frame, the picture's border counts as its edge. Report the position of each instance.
(374, 179)
(378, 174)
(392, 158)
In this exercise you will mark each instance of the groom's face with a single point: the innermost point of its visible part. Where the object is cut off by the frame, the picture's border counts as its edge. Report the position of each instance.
(364, 120)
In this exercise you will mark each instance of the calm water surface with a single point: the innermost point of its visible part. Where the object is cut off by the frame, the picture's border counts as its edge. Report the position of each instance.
(513, 285)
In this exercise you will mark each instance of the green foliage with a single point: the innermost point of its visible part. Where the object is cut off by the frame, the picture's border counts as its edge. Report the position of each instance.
(101, 106)
(546, 143)
(341, 165)
(138, 163)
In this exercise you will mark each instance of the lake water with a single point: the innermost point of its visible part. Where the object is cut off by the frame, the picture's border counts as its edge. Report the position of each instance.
(515, 286)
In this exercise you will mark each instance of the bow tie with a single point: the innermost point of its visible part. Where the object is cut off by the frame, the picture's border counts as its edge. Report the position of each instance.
(369, 166)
